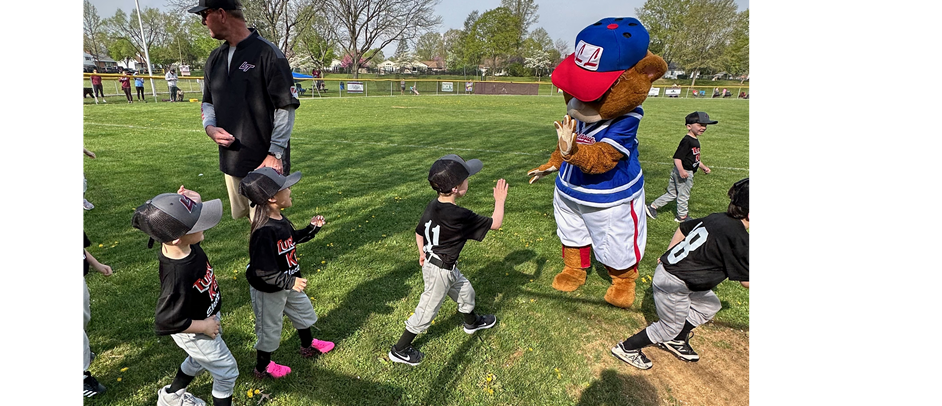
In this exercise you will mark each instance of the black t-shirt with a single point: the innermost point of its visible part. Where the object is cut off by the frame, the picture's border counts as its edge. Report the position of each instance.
(188, 291)
(716, 247)
(273, 260)
(245, 97)
(88, 243)
(445, 227)
(688, 152)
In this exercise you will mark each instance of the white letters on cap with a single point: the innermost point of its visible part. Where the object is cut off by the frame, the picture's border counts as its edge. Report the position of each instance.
(588, 56)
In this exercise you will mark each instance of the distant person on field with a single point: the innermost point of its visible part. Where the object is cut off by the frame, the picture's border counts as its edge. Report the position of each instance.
(402, 87)
(686, 163)
(171, 78)
(125, 80)
(139, 85)
(702, 253)
(96, 85)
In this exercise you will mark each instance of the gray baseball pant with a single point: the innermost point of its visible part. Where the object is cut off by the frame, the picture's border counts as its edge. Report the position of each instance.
(86, 307)
(677, 188)
(676, 304)
(209, 354)
(270, 309)
(438, 284)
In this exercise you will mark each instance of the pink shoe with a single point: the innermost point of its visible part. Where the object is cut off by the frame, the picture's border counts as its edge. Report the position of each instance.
(322, 346)
(273, 370)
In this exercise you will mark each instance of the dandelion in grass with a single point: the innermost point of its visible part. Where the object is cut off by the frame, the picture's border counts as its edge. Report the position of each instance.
(124, 369)
(249, 393)
(257, 391)
(119, 379)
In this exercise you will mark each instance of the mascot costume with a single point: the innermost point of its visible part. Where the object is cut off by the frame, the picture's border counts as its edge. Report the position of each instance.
(598, 201)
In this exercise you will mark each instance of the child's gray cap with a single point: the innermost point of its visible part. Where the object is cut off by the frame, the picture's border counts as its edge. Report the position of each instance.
(263, 183)
(450, 170)
(169, 216)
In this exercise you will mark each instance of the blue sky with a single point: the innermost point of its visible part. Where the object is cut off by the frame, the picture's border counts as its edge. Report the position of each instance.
(560, 18)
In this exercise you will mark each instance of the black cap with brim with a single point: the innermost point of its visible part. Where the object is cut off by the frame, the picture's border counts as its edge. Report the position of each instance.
(263, 183)
(699, 117)
(472, 165)
(169, 216)
(214, 4)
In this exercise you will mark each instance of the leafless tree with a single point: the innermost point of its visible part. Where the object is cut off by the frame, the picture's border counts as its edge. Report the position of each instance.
(362, 25)
(93, 30)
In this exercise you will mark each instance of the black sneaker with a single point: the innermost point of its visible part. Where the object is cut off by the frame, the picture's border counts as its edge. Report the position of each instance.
(92, 387)
(681, 349)
(635, 358)
(408, 356)
(484, 321)
(651, 211)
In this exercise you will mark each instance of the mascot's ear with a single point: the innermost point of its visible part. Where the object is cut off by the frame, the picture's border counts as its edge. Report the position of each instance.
(652, 66)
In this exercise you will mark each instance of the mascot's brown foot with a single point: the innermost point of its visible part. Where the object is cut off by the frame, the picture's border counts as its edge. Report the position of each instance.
(622, 292)
(573, 275)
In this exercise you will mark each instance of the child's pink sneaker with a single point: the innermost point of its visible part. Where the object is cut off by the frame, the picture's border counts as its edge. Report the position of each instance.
(317, 347)
(273, 370)
(322, 346)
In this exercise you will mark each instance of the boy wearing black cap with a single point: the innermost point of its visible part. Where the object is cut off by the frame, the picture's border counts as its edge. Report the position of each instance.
(189, 302)
(702, 253)
(276, 286)
(440, 235)
(686, 162)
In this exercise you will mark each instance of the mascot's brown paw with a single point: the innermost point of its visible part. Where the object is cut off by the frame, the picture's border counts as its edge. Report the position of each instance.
(622, 292)
(569, 279)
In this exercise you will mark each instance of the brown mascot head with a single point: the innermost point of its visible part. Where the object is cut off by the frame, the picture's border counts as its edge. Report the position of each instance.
(610, 72)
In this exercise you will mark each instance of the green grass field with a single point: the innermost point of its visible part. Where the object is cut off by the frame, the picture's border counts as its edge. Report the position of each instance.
(365, 163)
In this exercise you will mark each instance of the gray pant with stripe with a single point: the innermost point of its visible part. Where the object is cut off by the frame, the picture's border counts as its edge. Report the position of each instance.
(270, 309)
(209, 354)
(676, 304)
(440, 283)
(87, 315)
(677, 188)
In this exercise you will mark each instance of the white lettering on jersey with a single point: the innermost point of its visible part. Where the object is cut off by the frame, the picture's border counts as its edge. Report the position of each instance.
(431, 240)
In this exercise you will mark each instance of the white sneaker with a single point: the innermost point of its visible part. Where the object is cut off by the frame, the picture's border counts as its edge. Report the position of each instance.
(87, 205)
(178, 398)
(635, 358)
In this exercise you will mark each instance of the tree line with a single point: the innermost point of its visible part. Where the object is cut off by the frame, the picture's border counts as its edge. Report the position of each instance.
(698, 35)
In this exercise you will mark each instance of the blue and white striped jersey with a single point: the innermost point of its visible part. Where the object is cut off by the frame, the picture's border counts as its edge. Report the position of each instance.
(621, 184)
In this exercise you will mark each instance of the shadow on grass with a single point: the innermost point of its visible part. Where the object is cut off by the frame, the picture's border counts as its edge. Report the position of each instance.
(613, 388)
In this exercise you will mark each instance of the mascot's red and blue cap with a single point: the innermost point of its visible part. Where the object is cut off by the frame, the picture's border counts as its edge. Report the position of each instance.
(604, 51)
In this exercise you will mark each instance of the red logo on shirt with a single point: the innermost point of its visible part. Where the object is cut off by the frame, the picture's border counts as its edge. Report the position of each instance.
(207, 282)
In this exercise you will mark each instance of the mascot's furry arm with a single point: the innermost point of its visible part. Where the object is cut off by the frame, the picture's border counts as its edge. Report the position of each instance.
(596, 158)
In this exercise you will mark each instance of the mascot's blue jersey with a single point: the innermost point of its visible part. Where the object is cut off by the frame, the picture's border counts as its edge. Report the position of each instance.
(619, 185)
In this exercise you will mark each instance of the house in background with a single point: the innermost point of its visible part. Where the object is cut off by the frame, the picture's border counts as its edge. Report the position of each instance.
(673, 71)
(104, 63)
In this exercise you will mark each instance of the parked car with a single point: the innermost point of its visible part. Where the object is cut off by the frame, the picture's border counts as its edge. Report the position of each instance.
(112, 69)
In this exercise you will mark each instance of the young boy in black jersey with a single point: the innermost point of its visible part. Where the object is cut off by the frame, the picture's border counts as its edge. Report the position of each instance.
(441, 234)
(702, 253)
(189, 302)
(686, 163)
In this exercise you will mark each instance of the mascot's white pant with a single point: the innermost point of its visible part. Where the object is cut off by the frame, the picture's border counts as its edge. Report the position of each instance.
(617, 234)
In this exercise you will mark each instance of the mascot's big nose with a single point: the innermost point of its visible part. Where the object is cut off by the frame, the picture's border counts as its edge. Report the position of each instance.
(582, 112)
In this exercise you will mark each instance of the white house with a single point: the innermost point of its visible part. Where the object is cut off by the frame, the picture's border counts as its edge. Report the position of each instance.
(673, 71)
(388, 66)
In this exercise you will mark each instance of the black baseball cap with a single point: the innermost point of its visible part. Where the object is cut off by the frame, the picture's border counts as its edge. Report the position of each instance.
(450, 170)
(263, 183)
(214, 4)
(169, 216)
(699, 117)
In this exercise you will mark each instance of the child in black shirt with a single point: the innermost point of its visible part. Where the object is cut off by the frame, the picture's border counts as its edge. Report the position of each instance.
(702, 253)
(686, 163)
(275, 283)
(441, 234)
(189, 302)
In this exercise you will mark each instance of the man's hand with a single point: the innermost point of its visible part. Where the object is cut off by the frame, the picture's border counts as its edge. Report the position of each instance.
(566, 132)
(272, 162)
(318, 221)
(219, 135)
